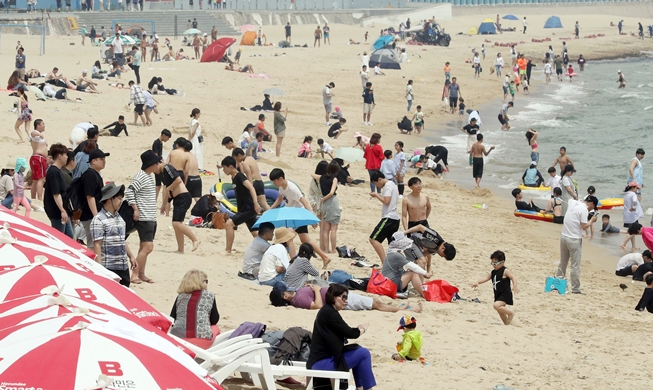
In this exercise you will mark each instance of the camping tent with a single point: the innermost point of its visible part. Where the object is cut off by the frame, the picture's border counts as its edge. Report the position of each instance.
(388, 59)
(553, 22)
(248, 39)
(383, 41)
(472, 31)
(487, 27)
(510, 17)
(216, 50)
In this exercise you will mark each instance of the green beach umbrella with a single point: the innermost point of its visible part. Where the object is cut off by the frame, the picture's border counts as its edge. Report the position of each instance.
(126, 40)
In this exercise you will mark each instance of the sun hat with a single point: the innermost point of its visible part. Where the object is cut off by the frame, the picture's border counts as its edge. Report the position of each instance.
(634, 184)
(110, 190)
(9, 164)
(20, 163)
(149, 158)
(283, 235)
(405, 321)
(399, 242)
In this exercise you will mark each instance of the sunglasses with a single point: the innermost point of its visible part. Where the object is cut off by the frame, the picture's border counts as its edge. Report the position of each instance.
(496, 263)
(344, 297)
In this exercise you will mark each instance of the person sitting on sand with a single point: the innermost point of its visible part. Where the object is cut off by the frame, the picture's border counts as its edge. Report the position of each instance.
(275, 260)
(377, 70)
(300, 268)
(245, 69)
(521, 205)
(402, 270)
(555, 206)
(170, 55)
(88, 84)
(532, 177)
(255, 250)
(352, 42)
(54, 78)
(646, 302)
(312, 297)
(628, 264)
(205, 207)
(180, 55)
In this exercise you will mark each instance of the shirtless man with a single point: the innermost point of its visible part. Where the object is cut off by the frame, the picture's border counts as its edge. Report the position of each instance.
(56, 79)
(38, 163)
(180, 160)
(197, 42)
(477, 153)
(248, 166)
(563, 160)
(170, 56)
(154, 53)
(86, 83)
(318, 36)
(415, 210)
(193, 180)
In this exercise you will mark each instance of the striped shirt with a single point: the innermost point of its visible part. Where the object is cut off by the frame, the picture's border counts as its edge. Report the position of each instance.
(110, 229)
(298, 271)
(142, 192)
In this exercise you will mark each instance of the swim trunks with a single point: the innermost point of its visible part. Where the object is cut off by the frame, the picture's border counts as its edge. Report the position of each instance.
(194, 186)
(385, 229)
(181, 203)
(501, 120)
(259, 187)
(248, 217)
(422, 222)
(477, 167)
(39, 166)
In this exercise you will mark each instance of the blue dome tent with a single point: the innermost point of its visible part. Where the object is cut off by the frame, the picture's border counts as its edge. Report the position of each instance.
(553, 22)
(387, 58)
(487, 27)
(510, 17)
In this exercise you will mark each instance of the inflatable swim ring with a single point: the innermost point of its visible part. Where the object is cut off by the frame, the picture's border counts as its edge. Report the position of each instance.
(609, 203)
(572, 74)
(540, 188)
(229, 194)
(534, 215)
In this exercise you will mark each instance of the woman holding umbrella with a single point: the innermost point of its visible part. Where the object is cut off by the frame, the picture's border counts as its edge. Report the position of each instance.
(279, 125)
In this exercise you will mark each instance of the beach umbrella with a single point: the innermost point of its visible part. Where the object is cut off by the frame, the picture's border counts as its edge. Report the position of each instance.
(382, 41)
(72, 352)
(29, 230)
(51, 304)
(192, 31)
(273, 92)
(247, 27)
(126, 40)
(350, 154)
(31, 279)
(290, 217)
(215, 51)
(510, 17)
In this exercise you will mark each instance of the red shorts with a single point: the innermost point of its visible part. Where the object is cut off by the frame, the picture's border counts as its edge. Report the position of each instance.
(39, 166)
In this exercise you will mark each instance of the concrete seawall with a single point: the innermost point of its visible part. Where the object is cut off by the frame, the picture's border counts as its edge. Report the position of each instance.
(643, 10)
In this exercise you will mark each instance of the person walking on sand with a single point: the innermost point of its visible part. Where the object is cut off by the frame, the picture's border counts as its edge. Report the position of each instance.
(181, 201)
(368, 103)
(327, 31)
(501, 278)
(279, 126)
(327, 95)
(141, 197)
(390, 218)
(498, 65)
(318, 36)
(477, 153)
(196, 138)
(636, 171)
(38, 162)
(365, 76)
(288, 29)
(571, 239)
(409, 94)
(248, 207)
(454, 93)
(576, 29)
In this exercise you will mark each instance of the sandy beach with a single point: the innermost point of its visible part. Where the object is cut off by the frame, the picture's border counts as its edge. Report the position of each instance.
(554, 342)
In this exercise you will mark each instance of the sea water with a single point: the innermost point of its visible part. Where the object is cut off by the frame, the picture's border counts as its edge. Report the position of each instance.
(600, 125)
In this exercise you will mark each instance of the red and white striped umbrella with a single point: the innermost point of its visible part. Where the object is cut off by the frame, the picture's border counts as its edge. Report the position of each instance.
(26, 229)
(30, 230)
(31, 279)
(75, 352)
(15, 253)
(43, 306)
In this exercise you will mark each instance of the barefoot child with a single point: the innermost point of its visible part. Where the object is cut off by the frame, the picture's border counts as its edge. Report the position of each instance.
(501, 278)
(305, 149)
(411, 341)
(418, 119)
(324, 148)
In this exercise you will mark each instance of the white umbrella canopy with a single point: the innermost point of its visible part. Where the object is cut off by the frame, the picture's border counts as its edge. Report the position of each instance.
(126, 40)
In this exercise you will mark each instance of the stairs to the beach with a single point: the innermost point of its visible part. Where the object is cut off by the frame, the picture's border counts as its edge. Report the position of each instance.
(164, 21)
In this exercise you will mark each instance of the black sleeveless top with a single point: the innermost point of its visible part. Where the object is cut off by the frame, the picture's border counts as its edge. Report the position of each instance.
(502, 291)
(326, 182)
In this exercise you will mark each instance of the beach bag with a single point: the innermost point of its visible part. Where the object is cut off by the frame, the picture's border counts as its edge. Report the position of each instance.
(72, 198)
(555, 283)
(218, 219)
(127, 214)
(359, 284)
(439, 291)
(380, 285)
(255, 329)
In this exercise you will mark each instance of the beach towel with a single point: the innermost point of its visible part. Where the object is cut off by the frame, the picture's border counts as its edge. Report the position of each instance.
(258, 76)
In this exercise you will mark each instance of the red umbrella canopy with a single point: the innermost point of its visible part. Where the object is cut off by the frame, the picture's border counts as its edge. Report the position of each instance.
(31, 279)
(216, 50)
(67, 352)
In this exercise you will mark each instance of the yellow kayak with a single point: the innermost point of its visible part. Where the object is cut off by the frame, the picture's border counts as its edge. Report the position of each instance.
(540, 188)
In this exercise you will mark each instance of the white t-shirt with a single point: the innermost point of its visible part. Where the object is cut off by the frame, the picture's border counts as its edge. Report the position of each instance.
(377, 70)
(475, 114)
(506, 82)
(365, 60)
(364, 78)
(631, 201)
(117, 46)
(84, 125)
(576, 214)
(566, 182)
(629, 260)
(275, 256)
(553, 182)
(326, 148)
(409, 92)
(326, 99)
(390, 210)
(292, 194)
(243, 137)
(547, 68)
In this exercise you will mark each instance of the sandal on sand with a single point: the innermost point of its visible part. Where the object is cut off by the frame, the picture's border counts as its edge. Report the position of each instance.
(136, 281)
(148, 280)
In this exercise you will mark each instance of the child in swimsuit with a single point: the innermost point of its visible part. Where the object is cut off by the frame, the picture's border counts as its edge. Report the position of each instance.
(570, 72)
(501, 278)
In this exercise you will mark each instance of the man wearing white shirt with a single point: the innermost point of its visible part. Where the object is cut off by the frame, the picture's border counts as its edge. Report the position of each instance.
(525, 25)
(365, 76)
(554, 180)
(629, 263)
(117, 47)
(571, 238)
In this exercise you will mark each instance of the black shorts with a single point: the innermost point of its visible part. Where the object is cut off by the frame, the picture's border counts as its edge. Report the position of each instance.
(267, 138)
(146, 230)
(181, 204)
(559, 220)
(415, 223)
(504, 297)
(259, 187)
(453, 102)
(333, 133)
(627, 225)
(302, 230)
(139, 109)
(558, 71)
(194, 186)
(158, 179)
(477, 167)
(501, 120)
(247, 217)
(624, 271)
(124, 276)
(385, 229)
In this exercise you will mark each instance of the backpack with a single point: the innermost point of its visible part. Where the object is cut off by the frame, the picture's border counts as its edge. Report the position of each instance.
(256, 329)
(127, 214)
(72, 198)
(294, 346)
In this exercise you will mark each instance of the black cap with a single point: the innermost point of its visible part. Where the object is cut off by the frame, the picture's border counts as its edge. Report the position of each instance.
(97, 153)
(592, 199)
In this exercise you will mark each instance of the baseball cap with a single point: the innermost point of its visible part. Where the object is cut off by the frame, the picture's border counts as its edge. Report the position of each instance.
(534, 163)
(97, 153)
(592, 199)
(406, 320)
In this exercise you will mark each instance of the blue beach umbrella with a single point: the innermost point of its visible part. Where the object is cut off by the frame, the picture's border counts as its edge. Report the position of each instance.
(383, 41)
(510, 17)
(290, 217)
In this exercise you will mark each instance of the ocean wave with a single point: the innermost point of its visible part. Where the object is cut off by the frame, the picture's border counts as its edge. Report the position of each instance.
(543, 107)
(635, 95)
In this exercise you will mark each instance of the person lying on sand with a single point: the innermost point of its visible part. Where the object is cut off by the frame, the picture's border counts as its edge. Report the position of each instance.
(245, 69)
(352, 42)
(180, 55)
(312, 297)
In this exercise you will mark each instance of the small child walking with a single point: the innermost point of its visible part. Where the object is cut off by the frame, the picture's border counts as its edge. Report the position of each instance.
(461, 108)
(305, 149)
(410, 347)
(501, 278)
(19, 187)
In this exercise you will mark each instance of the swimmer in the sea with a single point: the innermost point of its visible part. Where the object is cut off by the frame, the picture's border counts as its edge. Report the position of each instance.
(622, 79)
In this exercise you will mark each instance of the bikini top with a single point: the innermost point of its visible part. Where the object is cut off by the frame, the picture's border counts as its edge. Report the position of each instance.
(534, 145)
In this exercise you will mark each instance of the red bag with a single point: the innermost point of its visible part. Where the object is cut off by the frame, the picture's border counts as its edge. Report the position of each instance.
(439, 291)
(380, 285)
